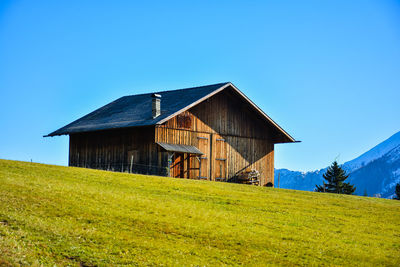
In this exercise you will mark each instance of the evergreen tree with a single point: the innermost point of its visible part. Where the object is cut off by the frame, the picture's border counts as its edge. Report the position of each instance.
(335, 177)
(397, 192)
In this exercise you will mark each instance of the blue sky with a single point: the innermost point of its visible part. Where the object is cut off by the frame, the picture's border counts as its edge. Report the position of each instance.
(327, 71)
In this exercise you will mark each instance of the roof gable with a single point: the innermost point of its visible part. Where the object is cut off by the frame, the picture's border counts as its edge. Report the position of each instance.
(135, 110)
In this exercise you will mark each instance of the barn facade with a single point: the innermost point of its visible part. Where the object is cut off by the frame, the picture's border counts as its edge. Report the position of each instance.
(210, 132)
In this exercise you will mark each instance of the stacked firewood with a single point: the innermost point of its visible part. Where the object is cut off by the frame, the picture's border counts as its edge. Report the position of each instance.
(249, 176)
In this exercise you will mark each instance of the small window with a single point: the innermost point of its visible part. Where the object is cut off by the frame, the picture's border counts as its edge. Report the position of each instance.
(184, 121)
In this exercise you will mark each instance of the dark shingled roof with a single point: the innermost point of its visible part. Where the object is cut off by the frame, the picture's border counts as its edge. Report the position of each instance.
(135, 110)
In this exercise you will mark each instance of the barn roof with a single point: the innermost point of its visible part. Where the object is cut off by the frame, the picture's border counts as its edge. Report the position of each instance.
(135, 110)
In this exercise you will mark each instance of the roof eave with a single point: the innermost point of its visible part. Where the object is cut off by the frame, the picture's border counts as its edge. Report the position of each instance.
(54, 134)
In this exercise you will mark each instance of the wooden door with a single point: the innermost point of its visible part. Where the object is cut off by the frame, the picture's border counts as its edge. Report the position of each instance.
(219, 158)
(177, 165)
(202, 163)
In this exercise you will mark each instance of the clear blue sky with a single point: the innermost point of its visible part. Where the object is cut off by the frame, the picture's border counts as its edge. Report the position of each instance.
(327, 71)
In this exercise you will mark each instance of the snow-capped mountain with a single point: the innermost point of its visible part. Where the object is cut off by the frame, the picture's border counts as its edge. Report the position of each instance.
(374, 153)
(377, 171)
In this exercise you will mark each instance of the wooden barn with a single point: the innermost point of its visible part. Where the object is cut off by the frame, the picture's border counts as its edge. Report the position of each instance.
(211, 132)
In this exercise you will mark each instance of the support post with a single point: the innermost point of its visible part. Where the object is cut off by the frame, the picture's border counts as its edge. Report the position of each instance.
(199, 159)
(170, 155)
(130, 169)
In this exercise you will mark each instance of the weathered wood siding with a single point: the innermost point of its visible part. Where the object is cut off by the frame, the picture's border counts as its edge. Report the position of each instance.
(224, 156)
(225, 128)
(184, 137)
(258, 154)
(124, 150)
(225, 113)
(229, 134)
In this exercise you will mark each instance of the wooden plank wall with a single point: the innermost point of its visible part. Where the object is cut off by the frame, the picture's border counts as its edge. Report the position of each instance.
(248, 140)
(191, 138)
(257, 154)
(114, 150)
(226, 114)
(229, 133)
(240, 153)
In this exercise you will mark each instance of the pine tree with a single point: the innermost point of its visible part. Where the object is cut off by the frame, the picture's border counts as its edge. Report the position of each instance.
(397, 192)
(335, 177)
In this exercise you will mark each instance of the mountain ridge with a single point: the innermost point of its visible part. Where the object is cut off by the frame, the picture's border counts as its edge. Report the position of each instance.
(374, 172)
(374, 153)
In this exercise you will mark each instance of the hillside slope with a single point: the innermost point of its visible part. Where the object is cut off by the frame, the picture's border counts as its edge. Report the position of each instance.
(72, 216)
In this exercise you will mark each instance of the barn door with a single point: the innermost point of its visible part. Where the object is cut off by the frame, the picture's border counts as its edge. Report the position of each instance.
(220, 162)
(202, 162)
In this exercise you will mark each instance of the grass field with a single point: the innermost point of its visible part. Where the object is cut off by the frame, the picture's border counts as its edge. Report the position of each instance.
(72, 216)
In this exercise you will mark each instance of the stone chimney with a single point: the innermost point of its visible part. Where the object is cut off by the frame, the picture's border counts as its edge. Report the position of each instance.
(156, 105)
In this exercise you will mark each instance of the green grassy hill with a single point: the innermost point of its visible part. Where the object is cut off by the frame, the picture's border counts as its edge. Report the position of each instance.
(72, 216)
